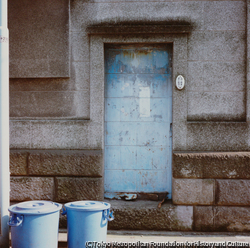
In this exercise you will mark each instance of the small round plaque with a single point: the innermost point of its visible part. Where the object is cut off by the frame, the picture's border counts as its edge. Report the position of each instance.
(180, 82)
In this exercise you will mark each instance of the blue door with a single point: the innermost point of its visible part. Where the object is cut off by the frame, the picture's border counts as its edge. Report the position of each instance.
(138, 119)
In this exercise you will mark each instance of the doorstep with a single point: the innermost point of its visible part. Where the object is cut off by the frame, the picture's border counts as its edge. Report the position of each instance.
(146, 215)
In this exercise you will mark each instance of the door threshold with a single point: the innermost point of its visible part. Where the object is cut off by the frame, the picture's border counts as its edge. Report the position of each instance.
(136, 196)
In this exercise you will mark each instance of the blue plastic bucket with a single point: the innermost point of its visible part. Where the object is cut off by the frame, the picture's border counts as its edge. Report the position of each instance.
(34, 224)
(87, 222)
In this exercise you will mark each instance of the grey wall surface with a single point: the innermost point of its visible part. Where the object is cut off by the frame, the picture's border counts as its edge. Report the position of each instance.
(214, 100)
(216, 88)
(57, 118)
(39, 38)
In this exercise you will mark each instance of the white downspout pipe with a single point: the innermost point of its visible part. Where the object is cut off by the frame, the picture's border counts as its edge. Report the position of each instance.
(4, 125)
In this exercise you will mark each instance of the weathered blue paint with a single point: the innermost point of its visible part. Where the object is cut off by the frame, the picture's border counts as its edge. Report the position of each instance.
(138, 117)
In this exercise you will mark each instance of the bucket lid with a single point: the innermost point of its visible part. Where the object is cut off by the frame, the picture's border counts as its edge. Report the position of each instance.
(87, 205)
(35, 207)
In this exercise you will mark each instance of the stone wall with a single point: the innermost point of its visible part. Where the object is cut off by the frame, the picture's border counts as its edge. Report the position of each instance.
(210, 112)
(57, 107)
(211, 178)
(59, 176)
(217, 185)
(145, 215)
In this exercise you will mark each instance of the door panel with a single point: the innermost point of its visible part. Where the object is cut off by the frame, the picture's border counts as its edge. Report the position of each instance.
(138, 117)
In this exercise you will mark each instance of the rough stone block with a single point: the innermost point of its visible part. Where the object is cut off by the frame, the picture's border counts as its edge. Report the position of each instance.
(216, 106)
(180, 52)
(31, 188)
(76, 189)
(196, 42)
(195, 76)
(41, 84)
(18, 163)
(55, 134)
(80, 13)
(66, 163)
(221, 218)
(80, 74)
(224, 45)
(110, 12)
(217, 136)
(217, 45)
(247, 97)
(179, 135)
(232, 219)
(63, 221)
(20, 134)
(97, 106)
(79, 80)
(96, 131)
(145, 215)
(59, 134)
(187, 165)
(49, 104)
(203, 218)
(193, 9)
(80, 46)
(212, 165)
(193, 191)
(81, 104)
(39, 47)
(224, 76)
(96, 67)
(226, 15)
(232, 192)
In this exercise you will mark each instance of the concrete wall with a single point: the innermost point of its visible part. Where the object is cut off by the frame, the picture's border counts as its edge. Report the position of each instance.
(56, 127)
(215, 97)
(39, 38)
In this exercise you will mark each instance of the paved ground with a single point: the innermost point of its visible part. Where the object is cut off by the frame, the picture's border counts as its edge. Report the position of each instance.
(224, 239)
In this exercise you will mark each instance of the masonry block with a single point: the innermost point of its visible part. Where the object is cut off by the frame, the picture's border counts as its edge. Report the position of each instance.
(195, 75)
(59, 134)
(18, 163)
(212, 165)
(187, 165)
(52, 104)
(216, 106)
(224, 76)
(203, 218)
(145, 215)
(31, 188)
(222, 218)
(226, 15)
(76, 189)
(217, 45)
(232, 192)
(62, 221)
(80, 76)
(216, 136)
(39, 47)
(180, 133)
(66, 163)
(196, 43)
(20, 134)
(80, 46)
(42, 84)
(193, 191)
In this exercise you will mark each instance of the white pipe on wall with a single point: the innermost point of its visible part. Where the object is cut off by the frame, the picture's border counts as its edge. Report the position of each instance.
(4, 125)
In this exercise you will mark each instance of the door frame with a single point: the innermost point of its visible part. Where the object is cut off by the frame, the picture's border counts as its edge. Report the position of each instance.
(97, 82)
